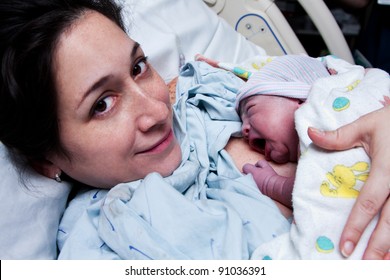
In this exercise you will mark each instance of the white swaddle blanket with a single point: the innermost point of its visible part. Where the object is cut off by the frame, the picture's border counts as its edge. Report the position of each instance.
(327, 183)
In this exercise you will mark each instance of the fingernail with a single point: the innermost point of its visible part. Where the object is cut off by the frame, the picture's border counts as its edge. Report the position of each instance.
(347, 249)
(317, 131)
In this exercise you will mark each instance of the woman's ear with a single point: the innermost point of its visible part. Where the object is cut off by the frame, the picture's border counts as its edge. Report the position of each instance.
(46, 168)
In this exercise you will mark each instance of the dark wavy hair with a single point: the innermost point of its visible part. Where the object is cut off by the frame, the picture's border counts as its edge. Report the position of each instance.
(29, 32)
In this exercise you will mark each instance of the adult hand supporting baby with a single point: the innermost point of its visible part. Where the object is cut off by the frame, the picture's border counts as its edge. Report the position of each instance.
(372, 132)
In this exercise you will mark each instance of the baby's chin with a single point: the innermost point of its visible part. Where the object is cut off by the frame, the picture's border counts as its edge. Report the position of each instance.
(279, 158)
(283, 154)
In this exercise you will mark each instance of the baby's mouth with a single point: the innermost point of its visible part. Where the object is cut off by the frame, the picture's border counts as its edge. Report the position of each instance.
(258, 145)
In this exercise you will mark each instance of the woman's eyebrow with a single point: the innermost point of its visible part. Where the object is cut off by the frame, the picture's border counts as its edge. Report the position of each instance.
(134, 50)
(103, 80)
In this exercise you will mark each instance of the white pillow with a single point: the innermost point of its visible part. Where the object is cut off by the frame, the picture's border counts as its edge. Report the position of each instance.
(30, 210)
(172, 32)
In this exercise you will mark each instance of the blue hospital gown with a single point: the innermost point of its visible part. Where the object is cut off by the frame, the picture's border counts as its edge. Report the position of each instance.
(206, 209)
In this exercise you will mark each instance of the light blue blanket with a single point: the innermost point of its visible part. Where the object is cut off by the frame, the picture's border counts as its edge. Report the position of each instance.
(205, 210)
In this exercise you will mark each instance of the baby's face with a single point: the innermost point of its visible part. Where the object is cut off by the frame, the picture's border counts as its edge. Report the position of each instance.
(268, 124)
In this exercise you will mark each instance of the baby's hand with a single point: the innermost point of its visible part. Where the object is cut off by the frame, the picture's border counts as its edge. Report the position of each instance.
(270, 183)
(262, 172)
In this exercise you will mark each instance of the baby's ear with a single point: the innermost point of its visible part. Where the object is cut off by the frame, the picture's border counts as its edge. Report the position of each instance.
(45, 168)
(298, 102)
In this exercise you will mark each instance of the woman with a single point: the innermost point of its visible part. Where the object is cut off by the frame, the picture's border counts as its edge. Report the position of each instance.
(79, 98)
(92, 103)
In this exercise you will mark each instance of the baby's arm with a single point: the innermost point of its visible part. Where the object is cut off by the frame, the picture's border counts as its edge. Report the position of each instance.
(270, 183)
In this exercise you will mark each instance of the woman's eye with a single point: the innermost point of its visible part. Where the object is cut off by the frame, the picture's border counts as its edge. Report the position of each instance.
(103, 105)
(140, 67)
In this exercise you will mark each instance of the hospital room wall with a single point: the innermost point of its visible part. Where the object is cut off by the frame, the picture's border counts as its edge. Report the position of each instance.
(367, 30)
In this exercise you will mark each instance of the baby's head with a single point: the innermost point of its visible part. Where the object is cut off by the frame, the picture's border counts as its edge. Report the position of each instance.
(268, 125)
(268, 100)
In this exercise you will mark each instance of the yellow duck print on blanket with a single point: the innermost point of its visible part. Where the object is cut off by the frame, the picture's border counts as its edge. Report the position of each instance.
(342, 180)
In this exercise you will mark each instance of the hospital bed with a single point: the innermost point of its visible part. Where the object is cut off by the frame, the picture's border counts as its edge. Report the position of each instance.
(261, 22)
(32, 205)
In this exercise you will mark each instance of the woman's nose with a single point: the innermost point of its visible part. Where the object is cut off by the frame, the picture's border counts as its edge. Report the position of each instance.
(153, 113)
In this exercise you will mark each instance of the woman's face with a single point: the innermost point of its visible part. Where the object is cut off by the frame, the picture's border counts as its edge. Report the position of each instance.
(268, 124)
(114, 113)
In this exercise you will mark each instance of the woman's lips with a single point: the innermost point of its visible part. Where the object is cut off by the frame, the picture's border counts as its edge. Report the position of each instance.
(161, 146)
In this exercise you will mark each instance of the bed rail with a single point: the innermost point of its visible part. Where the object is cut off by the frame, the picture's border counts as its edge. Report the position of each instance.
(261, 22)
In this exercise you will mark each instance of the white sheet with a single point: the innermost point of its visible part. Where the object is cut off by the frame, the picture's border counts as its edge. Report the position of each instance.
(30, 212)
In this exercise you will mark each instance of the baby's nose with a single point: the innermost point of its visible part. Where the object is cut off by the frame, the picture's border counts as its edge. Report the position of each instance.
(245, 130)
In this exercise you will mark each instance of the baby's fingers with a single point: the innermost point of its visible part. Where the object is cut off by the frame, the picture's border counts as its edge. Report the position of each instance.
(248, 168)
(251, 168)
(262, 163)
